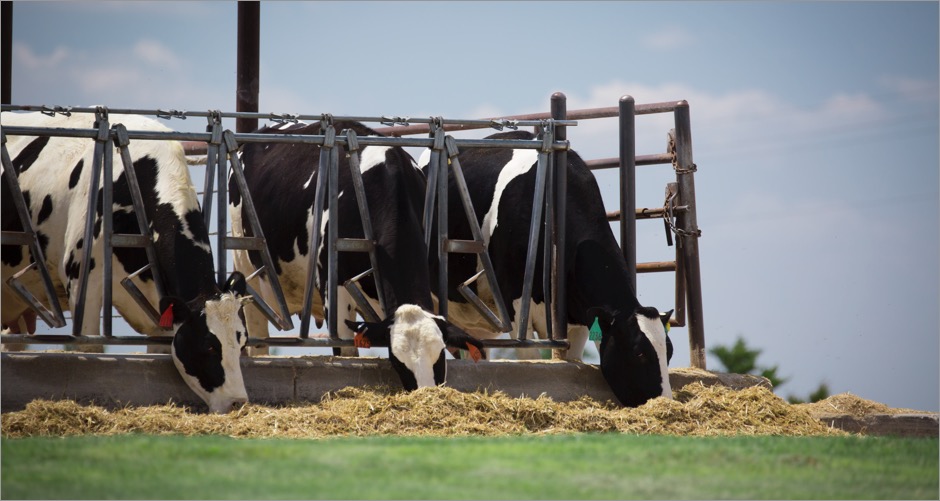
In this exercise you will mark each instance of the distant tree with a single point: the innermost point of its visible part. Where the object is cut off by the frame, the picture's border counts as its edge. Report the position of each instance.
(741, 359)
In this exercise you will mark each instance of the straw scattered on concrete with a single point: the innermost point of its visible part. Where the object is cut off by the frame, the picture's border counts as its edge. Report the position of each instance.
(442, 411)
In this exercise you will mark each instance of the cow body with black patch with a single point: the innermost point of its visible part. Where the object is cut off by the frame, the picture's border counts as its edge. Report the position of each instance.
(634, 348)
(55, 177)
(282, 180)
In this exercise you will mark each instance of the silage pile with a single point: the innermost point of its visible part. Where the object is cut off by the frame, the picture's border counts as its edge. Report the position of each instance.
(853, 405)
(697, 410)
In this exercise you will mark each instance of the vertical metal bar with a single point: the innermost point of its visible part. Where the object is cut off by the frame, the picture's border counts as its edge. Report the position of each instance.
(6, 48)
(222, 209)
(559, 289)
(332, 238)
(107, 232)
(323, 172)
(212, 164)
(628, 185)
(538, 199)
(352, 146)
(464, 192)
(11, 177)
(231, 146)
(140, 210)
(442, 230)
(686, 179)
(548, 257)
(78, 316)
(430, 196)
(249, 36)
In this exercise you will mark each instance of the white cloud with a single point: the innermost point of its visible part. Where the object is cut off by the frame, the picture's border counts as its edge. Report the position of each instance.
(31, 61)
(669, 38)
(912, 89)
(156, 54)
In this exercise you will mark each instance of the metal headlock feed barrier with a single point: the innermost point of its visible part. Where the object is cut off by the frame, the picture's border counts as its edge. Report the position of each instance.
(548, 210)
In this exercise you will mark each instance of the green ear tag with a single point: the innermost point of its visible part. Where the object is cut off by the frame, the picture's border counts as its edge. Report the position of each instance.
(595, 331)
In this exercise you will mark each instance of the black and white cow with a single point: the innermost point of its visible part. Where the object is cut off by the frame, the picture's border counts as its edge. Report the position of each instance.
(55, 177)
(634, 348)
(282, 181)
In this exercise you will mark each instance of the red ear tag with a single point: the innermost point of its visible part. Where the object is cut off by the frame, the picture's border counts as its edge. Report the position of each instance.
(360, 341)
(474, 352)
(166, 320)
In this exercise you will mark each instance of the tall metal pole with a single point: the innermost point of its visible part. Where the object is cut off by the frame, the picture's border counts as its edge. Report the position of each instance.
(559, 108)
(685, 169)
(6, 53)
(628, 185)
(246, 99)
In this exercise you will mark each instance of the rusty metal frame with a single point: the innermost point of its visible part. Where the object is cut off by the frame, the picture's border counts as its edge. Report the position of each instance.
(686, 266)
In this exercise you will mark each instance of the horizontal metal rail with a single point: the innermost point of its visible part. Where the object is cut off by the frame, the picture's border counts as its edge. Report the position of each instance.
(585, 114)
(474, 123)
(531, 144)
(614, 163)
(141, 340)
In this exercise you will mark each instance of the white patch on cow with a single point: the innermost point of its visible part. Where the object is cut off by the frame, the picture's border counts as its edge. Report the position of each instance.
(417, 342)
(309, 180)
(222, 319)
(372, 156)
(522, 161)
(656, 333)
(50, 176)
(424, 159)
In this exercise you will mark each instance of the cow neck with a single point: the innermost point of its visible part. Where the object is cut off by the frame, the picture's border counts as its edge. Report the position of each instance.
(598, 279)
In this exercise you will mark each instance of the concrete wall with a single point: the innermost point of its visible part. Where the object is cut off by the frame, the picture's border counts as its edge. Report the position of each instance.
(147, 379)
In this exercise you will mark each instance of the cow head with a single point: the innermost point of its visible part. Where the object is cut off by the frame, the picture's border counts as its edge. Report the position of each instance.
(635, 350)
(416, 340)
(208, 343)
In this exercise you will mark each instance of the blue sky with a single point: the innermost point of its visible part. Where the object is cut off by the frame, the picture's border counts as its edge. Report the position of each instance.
(815, 128)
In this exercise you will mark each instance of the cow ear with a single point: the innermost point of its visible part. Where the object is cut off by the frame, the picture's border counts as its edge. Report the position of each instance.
(173, 311)
(604, 316)
(456, 337)
(369, 334)
(236, 284)
(665, 318)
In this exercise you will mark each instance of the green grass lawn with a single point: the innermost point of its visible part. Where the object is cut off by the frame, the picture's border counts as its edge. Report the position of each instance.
(589, 466)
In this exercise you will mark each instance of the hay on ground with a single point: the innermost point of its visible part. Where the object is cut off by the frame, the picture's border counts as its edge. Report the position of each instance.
(440, 411)
(847, 403)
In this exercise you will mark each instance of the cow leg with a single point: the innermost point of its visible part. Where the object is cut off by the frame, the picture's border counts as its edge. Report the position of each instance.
(577, 339)
(255, 321)
(347, 311)
(91, 320)
(25, 323)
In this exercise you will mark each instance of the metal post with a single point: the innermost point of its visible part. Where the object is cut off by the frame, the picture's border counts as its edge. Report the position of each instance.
(559, 304)
(323, 172)
(442, 231)
(6, 94)
(212, 164)
(107, 233)
(628, 185)
(249, 19)
(53, 316)
(101, 142)
(685, 169)
(332, 238)
(221, 206)
(538, 201)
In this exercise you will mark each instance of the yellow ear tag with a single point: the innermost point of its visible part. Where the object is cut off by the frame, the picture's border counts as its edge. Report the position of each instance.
(595, 332)
(667, 327)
